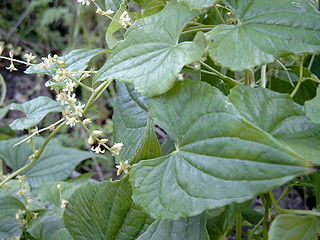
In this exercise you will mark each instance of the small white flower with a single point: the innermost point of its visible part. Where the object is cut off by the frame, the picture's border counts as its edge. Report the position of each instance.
(11, 67)
(78, 109)
(71, 99)
(97, 149)
(86, 121)
(71, 121)
(29, 57)
(125, 19)
(104, 13)
(69, 86)
(122, 167)
(1, 49)
(116, 148)
(62, 98)
(11, 53)
(104, 140)
(84, 2)
(63, 203)
(96, 133)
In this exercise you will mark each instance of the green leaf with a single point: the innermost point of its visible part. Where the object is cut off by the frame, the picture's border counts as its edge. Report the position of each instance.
(104, 211)
(114, 5)
(266, 29)
(10, 205)
(132, 126)
(35, 110)
(219, 221)
(112, 34)
(199, 4)
(220, 157)
(76, 60)
(9, 227)
(49, 191)
(46, 224)
(313, 108)
(149, 4)
(186, 229)
(62, 234)
(252, 216)
(294, 227)
(150, 57)
(281, 117)
(56, 163)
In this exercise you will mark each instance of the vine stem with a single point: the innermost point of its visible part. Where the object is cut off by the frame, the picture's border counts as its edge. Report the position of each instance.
(291, 211)
(295, 90)
(229, 80)
(238, 227)
(266, 218)
(3, 90)
(34, 160)
(263, 82)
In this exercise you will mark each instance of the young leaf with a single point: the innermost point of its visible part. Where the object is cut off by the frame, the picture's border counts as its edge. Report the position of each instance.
(56, 163)
(265, 109)
(150, 57)
(294, 227)
(199, 4)
(131, 124)
(76, 60)
(104, 211)
(220, 157)
(313, 108)
(35, 110)
(186, 229)
(266, 29)
(114, 27)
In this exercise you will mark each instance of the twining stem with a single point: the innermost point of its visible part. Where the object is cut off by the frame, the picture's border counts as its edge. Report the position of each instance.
(263, 82)
(39, 131)
(227, 79)
(266, 218)
(18, 61)
(238, 227)
(295, 90)
(36, 158)
(291, 211)
(219, 14)
(3, 90)
(255, 228)
(311, 61)
(197, 30)
(81, 84)
(286, 71)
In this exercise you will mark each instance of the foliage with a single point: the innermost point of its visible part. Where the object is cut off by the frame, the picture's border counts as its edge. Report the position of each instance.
(215, 104)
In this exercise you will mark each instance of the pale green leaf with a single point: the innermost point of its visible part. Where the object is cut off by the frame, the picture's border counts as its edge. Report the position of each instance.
(114, 5)
(56, 163)
(104, 211)
(294, 227)
(35, 110)
(220, 157)
(112, 34)
(9, 227)
(313, 108)
(149, 4)
(131, 124)
(76, 60)
(199, 4)
(266, 29)
(281, 117)
(187, 229)
(150, 57)
(61, 234)
(10, 205)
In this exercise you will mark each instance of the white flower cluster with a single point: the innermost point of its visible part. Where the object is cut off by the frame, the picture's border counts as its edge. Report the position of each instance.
(84, 2)
(73, 109)
(125, 19)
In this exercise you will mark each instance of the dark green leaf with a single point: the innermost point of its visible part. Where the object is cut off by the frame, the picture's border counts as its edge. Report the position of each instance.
(186, 229)
(56, 163)
(35, 110)
(266, 29)
(9, 227)
(150, 57)
(10, 205)
(104, 211)
(220, 157)
(131, 124)
(294, 227)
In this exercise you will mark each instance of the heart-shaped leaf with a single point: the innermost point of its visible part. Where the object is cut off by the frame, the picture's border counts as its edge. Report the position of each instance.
(150, 57)
(220, 157)
(198, 4)
(35, 110)
(266, 29)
